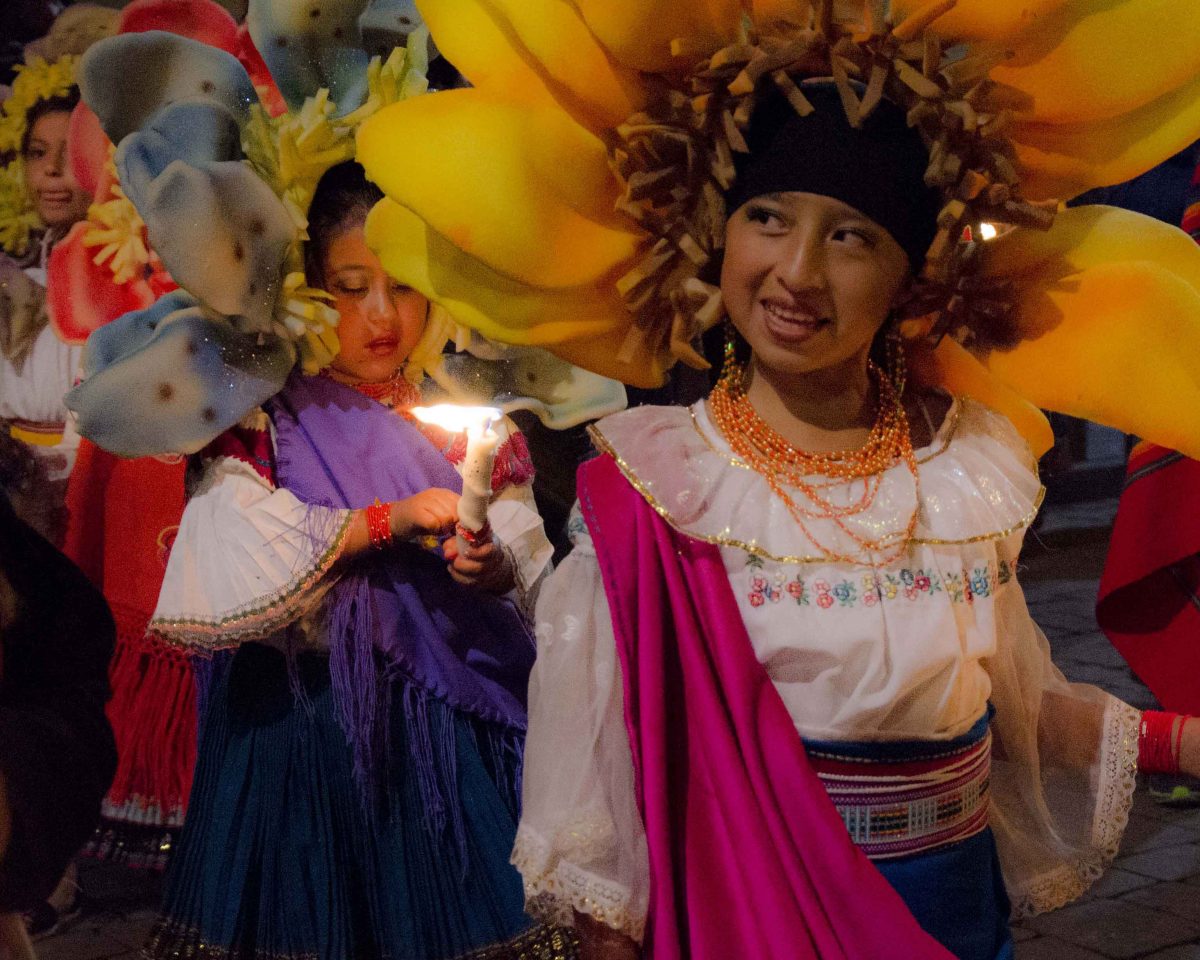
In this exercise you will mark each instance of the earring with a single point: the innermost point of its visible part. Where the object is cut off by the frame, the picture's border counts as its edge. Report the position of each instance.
(731, 370)
(897, 364)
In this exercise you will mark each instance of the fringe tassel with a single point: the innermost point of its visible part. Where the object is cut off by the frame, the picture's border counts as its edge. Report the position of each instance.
(153, 715)
(356, 676)
(430, 726)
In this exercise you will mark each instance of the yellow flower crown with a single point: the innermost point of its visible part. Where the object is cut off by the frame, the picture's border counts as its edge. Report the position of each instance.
(35, 80)
(675, 159)
(292, 152)
(545, 205)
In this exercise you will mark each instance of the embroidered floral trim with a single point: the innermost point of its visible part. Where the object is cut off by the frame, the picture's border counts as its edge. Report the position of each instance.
(554, 888)
(1114, 800)
(263, 618)
(872, 589)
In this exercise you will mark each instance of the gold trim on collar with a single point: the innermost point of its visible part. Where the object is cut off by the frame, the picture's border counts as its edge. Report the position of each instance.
(603, 446)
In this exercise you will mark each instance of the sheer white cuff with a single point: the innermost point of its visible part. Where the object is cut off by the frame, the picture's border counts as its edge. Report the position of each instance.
(555, 887)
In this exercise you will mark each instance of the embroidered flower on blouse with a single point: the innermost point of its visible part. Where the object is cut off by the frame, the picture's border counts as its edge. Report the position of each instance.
(905, 584)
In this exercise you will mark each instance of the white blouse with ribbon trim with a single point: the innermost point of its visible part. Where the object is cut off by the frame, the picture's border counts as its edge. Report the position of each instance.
(911, 649)
(252, 561)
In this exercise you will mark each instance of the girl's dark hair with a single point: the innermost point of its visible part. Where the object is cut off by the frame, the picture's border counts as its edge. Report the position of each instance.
(344, 196)
(64, 104)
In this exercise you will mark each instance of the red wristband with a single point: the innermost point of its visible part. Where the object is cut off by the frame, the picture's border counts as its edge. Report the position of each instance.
(379, 525)
(474, 538)
(1158, 741)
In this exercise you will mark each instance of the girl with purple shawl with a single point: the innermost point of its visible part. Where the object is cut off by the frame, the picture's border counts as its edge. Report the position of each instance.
(359, 763)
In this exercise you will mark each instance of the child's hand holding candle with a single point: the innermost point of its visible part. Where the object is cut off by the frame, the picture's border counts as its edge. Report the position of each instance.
(482, 443)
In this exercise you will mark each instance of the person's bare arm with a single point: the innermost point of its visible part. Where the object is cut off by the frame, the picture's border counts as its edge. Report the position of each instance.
(428, 513)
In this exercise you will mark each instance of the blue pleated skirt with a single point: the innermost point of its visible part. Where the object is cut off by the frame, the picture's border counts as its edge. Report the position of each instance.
(956, 892)
(281, 856)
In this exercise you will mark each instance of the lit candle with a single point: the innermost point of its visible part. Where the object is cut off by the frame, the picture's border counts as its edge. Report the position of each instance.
(482, 443)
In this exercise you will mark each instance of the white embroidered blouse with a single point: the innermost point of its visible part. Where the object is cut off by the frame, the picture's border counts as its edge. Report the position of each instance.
(35, 392)
(914, 649)
(251, 560)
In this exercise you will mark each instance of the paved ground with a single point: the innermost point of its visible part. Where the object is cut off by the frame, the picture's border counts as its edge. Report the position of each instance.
(1147, 907)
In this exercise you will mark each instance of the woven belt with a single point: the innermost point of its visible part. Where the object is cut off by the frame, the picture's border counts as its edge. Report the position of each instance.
(893, 808)
(37, 434)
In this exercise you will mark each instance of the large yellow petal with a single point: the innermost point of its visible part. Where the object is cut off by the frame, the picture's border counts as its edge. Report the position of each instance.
(1100, 59)
(638, 33)
(534, 49)
(584, 325)
(951, 367)
(1108, 313)
(986, 20)
(765, 12)
(1086, 237)
(1064, 160)
(520, 187)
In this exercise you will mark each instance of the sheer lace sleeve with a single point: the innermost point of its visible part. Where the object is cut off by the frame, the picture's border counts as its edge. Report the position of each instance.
(518, 528)
(248, 559)
(580, 845)
(1063, 770)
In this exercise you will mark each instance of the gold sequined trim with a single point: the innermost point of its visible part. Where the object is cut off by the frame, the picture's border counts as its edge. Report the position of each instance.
(602, 444)
(540, 942)
(169, 942)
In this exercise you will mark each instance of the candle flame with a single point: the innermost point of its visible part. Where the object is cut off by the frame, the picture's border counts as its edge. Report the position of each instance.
(456, 419)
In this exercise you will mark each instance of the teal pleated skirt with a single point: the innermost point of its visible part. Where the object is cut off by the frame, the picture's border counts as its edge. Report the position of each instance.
(281, 857)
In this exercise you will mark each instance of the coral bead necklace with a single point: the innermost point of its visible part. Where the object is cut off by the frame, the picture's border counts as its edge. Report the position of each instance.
(785, 466)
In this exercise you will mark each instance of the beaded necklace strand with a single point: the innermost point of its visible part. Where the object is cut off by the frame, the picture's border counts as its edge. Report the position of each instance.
(782, 465)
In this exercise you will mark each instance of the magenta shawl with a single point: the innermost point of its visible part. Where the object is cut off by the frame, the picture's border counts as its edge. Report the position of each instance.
(748, 857)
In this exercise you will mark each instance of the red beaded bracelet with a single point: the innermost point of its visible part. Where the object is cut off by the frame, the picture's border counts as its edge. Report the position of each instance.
(1159, 741)
(379, 525)
(474, 538)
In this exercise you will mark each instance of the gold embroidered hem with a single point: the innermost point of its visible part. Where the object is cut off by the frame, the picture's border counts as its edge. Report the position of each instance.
(540, 942)
(275, 612)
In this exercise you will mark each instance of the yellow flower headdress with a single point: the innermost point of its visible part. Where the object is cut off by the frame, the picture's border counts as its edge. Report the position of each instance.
(291, 152)
(35, 80)
(569, 199)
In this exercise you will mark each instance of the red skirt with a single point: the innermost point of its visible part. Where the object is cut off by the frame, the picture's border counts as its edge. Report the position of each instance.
(122, 520)
(1149, 604)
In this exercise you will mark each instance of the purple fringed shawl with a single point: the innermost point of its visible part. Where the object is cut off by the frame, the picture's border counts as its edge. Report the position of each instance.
(748, 856)
(399, 612)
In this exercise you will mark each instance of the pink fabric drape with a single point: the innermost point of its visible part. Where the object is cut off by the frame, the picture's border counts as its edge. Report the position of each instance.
(748, 857)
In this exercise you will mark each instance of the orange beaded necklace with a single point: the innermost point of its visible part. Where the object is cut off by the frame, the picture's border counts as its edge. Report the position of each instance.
(785, 466)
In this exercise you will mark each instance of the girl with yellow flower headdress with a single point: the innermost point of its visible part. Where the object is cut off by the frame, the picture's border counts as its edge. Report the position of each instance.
(788, 698)
(40, 201)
